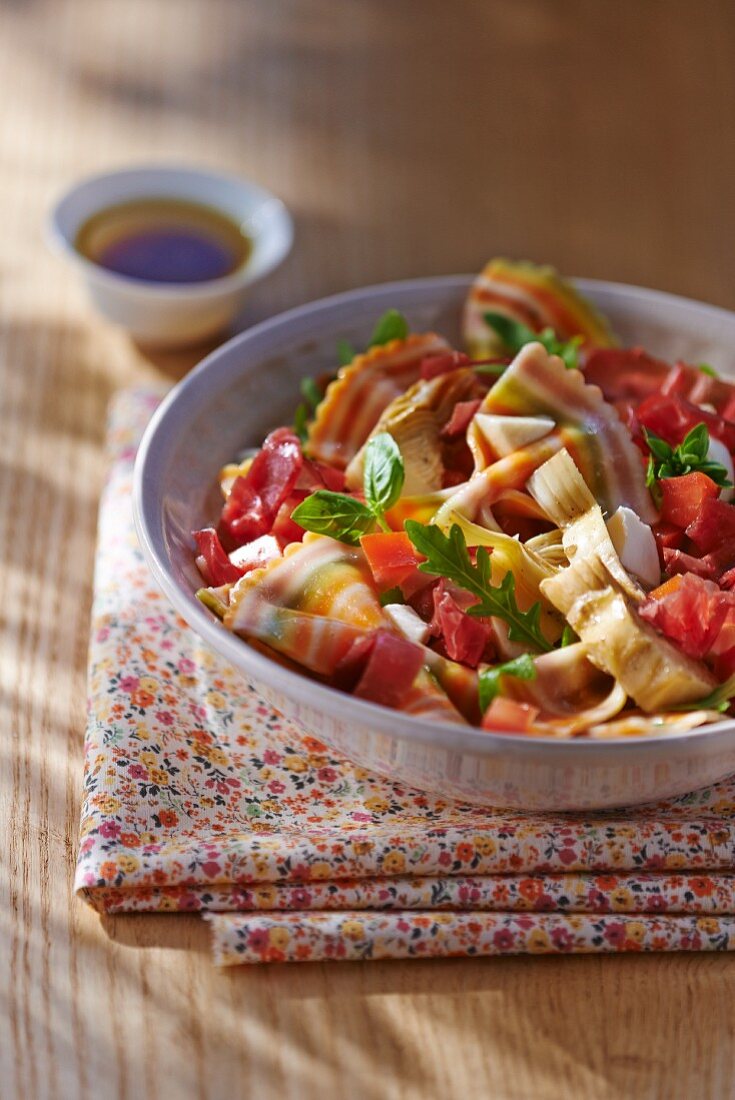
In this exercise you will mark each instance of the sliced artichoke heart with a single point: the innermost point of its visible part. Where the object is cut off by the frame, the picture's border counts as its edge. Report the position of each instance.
(652, 671)
(415, 420)
(562, 492)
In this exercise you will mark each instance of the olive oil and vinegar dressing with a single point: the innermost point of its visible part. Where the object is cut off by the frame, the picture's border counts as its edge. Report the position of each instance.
(160, 240)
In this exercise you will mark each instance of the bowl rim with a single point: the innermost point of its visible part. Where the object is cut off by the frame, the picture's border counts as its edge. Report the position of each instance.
(297, 686)
(60, 242)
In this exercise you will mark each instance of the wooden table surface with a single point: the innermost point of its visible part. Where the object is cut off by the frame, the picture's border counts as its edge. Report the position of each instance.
(408, 138)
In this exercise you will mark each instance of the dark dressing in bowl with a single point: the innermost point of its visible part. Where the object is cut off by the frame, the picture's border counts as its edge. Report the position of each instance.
(158, 240)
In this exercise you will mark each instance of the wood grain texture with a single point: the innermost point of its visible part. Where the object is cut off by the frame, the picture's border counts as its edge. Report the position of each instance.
(408, 138)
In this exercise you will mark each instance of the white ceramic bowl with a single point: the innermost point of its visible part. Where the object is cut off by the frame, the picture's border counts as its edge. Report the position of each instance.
(173, 314)
(251, 384)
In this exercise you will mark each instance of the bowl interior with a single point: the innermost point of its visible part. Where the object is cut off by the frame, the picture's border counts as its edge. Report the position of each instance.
(251, 384)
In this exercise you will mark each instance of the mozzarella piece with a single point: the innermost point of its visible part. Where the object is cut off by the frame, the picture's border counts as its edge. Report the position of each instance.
(411, 625)
(718, 452)
(506, 434)
(257, 553)
(635, 545)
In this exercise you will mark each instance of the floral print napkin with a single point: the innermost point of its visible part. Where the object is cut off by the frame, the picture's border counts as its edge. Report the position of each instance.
(198, 796)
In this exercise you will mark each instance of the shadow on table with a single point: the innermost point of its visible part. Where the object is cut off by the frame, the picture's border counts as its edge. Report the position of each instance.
(584, 1022)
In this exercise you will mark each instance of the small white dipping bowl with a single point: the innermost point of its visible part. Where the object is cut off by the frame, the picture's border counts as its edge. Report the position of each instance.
(171, 314)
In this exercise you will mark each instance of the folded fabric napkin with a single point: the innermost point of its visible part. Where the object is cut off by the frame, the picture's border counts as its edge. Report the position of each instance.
(199, 796)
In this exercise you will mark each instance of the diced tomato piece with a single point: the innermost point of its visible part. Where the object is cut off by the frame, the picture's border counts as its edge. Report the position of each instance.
(683, 497)
(667, 534)
(508, 716)
(255, 499)
(391, 556)
(727, 580)
(459, 421)
(624, 372)
(392, 666)
(668, 537)
(464, 638)
(713, 526)
(672, 417)
(285, 528)
(678, 380)
(434, 365)
(692, 615)
(214, 565)
(665, 589)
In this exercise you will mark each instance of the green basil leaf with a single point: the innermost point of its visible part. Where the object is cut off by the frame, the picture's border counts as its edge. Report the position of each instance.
(335, 514)
(658, 447)
(393, 595)
(690, 455)
(384, 473)
(345, 353)
(391, 326)
(568, 637)
(707, 369)
(300, 422)
(490, 684)
(512, 333)
(695, 443)
(516, 335)
(311, 392)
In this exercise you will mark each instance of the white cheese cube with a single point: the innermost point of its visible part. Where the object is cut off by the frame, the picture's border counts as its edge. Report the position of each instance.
(635, 545)
(718, 452)
(411, 625)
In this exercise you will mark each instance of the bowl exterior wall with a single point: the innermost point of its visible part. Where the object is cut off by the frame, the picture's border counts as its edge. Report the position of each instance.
(249, 386)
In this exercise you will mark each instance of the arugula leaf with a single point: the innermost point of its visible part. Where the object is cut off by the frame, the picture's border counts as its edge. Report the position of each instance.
(568, 637)
(345, 353)
(311, 392)
(301, 422)
(490, 685)
(384, 473)
(719, 699)
(516, 335)
(707, 369)
(391, 326)
(313, 397)
(447, 556)
(690, 455)
(335, 514)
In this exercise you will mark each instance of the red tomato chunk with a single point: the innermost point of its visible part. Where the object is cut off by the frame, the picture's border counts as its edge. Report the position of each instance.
(508, 716)
(683, 497)
(391, 556)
